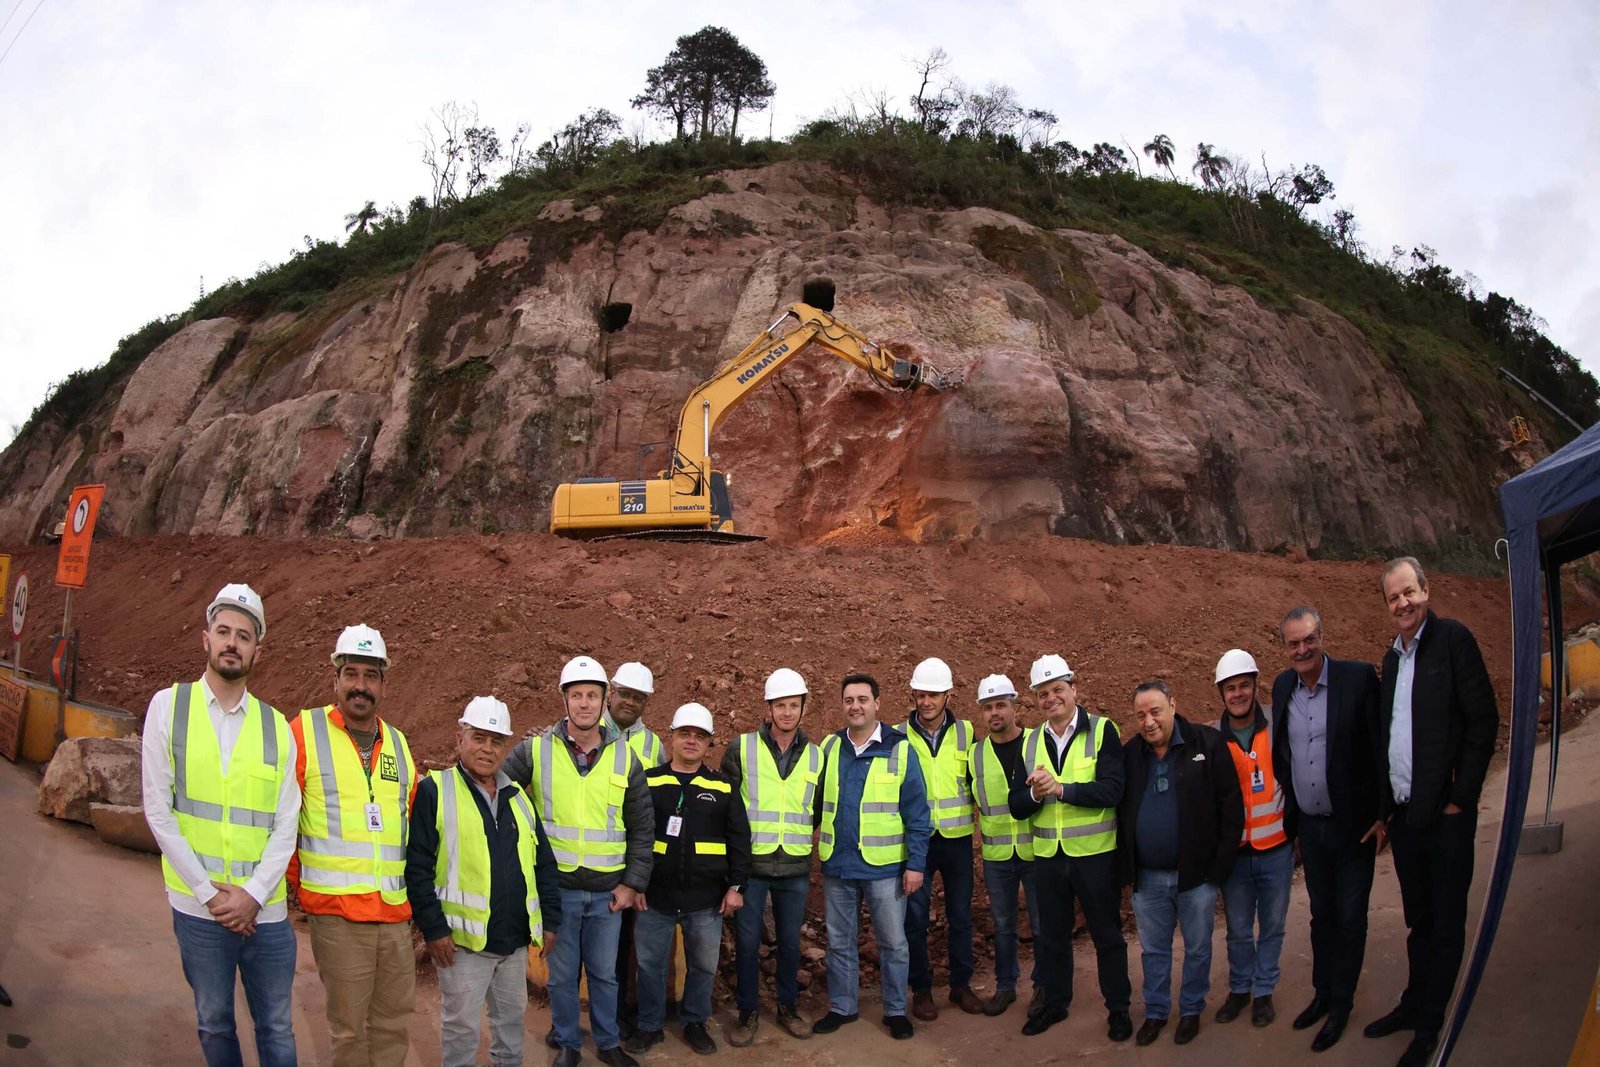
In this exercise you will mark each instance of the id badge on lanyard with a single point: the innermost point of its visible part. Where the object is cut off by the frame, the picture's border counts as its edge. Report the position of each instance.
(1258, 781)
(375, 818)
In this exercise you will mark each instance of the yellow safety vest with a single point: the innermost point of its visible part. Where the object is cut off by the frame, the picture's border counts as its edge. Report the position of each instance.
(226, 819)
(461, 876)
(949, 795)
(781, 810)
(1003, 836)
(882, 831)
(339, 855)
(647, 746)
(1067, 828)
(582, 813)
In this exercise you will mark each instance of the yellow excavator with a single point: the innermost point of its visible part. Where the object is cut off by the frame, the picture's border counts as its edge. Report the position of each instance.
(689, 500)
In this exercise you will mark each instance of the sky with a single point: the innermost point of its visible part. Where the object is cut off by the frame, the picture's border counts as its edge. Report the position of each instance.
(152, 149)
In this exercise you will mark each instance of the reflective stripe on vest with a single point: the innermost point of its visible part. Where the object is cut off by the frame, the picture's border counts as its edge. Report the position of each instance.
(949, 799)
(781, 810)
(882, 831)
(1263, 811)
(582, 813)
(338, 855)
(463, 880)
(1068, 828)
(226, 819)
(1002, 835)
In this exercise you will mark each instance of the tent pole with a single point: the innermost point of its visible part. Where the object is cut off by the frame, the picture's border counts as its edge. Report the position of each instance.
(1558, 676)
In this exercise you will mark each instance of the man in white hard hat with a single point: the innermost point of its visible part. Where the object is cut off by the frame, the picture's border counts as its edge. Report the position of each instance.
(943, 744)
(357, 779)
(221, 799)
(1070, 795)
(590, 793)
(629, 692)
(483, 885)
(775, 769)
(1007, 842)
(702, 849)
(1255, 898)
(873, 829)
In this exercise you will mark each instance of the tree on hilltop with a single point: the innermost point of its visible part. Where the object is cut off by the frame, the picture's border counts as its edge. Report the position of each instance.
(358, 221)
(709, 78)
(1160, 149)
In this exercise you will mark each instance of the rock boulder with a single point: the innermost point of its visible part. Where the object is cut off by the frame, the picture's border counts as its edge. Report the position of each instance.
(87, 770)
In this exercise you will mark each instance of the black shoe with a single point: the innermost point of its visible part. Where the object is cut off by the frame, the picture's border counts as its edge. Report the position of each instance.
(900, 1027)
(832, 1021)
(1332, 1030)
(1396, 1021)
(1002, 999)
(616, 1057)
(641, 1041)
(1048, 1017)
(5, 998)
(1037, 1002)
(1420, 1052)
(1149, 1031)
(697, 1037)
(551, 1040)
(1188, 1029)
(568, 1057)
(1231, 1007)
(1120, 1026)
(1262, 1012)
(1313, 1013)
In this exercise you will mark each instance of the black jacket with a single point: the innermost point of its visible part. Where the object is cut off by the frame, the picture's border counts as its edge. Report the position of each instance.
(1454, 719)
(508, 889)
(685, 878)
(1210, 808)
(1354, 747)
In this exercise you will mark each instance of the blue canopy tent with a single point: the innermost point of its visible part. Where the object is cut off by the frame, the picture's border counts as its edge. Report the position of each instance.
(1552, 516)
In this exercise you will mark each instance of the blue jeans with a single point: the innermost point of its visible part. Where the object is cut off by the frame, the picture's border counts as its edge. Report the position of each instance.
(264, 961)
(587, 941)
(951, 859)
(1158, 907)
(652, 940)
(788, 912)
(887, 902)
(1001, 878)
(1257, 893)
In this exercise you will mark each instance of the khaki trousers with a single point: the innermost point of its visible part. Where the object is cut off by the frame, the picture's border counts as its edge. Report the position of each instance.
(370, 976)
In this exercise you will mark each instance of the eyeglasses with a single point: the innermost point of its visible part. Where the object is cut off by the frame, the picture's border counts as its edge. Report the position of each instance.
(1161, 777)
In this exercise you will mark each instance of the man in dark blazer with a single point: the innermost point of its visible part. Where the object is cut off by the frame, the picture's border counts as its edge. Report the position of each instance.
(1178, 831)
(1438, 719)
(1327, 754)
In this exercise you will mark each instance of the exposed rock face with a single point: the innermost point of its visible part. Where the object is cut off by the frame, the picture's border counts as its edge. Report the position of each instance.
(90, 770)
(1106, 395)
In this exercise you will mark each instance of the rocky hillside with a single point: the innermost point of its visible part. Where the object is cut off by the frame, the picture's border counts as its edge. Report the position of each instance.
(1106, 394)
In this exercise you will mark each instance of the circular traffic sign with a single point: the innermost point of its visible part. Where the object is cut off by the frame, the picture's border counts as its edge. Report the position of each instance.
(80, 516)
(19, 607)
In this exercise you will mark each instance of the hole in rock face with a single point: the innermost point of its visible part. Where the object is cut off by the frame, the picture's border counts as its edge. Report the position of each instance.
(614, 317)
(818, 292)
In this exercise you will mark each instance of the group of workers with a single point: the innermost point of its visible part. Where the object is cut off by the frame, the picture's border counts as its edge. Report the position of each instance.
(594, 841)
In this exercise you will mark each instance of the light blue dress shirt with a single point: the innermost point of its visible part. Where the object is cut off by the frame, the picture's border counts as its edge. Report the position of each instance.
(1308, 744)
(1400, 719)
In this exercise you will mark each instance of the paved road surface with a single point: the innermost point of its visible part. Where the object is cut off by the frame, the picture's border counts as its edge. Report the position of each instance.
(86, 951)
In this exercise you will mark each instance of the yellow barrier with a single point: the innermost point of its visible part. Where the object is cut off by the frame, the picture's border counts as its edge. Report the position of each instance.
(1583, 667)
(84, 719)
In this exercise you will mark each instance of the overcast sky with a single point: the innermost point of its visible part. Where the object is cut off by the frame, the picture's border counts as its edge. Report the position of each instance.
(148, 145)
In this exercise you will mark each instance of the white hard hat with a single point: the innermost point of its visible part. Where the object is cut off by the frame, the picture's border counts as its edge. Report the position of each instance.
(1234, 662)
(784, 682)
(1048, 668)
(635, 676)
(240, 598)
(932, 676)
(695, 715)
(996, 685)
(487, 713)
(582, 669)
(360, 640)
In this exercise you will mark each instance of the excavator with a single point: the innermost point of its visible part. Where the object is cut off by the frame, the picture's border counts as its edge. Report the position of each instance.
(689, 501)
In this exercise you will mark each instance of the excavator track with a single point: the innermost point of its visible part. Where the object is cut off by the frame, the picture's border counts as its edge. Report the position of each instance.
(700, 537)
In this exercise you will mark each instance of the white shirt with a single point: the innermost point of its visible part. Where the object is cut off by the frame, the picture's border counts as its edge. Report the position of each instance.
(158, 781)
(1400, 720)
(1063, 739)
(877, 735)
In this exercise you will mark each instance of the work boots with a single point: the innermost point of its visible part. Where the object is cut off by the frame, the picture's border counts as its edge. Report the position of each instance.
(965, 999)
(744, 1035)
(792, 1022)
(923, 1006)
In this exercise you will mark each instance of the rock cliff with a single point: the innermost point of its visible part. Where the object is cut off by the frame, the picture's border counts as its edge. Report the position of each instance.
(1106, 394)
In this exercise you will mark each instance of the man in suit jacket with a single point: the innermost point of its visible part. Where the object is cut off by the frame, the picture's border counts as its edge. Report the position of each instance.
(1327, 755)
(1438, 721)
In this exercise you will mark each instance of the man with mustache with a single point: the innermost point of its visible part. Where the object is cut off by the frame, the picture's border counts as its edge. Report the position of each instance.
(221, 799)
(358, 780)
(1326, 754)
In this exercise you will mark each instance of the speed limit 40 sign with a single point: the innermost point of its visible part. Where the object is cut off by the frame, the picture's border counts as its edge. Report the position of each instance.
(19, 607)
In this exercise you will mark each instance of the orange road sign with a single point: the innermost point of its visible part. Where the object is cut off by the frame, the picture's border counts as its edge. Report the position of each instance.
(72, 564)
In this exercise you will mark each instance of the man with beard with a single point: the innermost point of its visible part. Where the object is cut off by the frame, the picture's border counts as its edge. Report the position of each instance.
(357, 780)
(221, 799)
(1007, 842)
